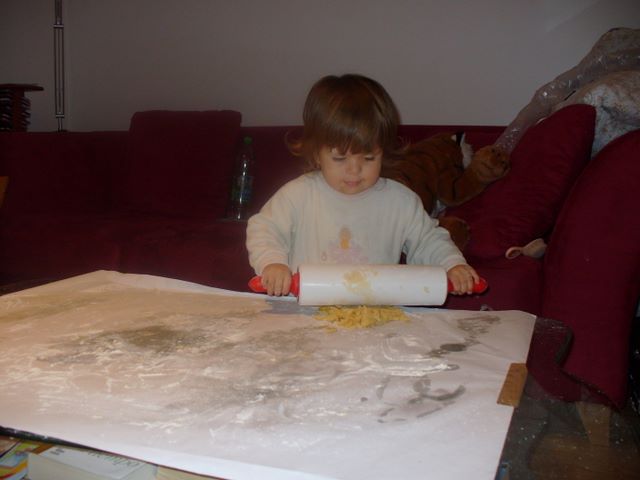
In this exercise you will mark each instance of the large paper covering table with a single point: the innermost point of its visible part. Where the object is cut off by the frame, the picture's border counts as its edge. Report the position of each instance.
(242, 386)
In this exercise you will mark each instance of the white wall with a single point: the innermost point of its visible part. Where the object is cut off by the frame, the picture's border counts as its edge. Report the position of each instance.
(443, 61)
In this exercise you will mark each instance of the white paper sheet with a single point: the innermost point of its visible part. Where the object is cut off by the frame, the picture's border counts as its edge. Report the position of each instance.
(242, 386)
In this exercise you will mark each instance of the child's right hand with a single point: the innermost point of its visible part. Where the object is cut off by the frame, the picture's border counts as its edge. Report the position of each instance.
(463, 278)
(276, 278)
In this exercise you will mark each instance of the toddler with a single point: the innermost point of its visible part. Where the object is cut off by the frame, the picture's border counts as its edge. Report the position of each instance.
(342, 211)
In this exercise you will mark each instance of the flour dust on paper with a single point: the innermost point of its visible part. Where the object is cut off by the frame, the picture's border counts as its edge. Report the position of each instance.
(165, 361)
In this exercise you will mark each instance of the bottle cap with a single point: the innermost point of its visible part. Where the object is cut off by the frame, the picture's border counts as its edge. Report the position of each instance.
(247, 140)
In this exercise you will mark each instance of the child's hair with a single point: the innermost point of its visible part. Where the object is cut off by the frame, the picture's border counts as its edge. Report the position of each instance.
(351, 113)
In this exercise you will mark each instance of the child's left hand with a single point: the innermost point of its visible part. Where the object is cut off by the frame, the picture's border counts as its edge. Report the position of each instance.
(463, 278)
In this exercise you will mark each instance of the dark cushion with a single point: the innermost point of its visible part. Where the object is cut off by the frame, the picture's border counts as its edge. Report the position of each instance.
(180, 162)
(524, 205)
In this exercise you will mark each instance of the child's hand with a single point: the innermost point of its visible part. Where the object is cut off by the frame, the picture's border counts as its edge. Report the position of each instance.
(463, 277)
(276, 278)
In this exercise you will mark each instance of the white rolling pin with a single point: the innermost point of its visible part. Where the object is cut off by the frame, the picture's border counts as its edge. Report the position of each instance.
(329, 284)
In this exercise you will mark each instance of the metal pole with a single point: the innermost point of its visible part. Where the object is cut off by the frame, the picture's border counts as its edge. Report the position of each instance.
(58, 64)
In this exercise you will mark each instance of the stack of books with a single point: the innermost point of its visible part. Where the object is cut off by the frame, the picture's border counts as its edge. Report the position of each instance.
(15, 107)
(34, 460)
(6, 110)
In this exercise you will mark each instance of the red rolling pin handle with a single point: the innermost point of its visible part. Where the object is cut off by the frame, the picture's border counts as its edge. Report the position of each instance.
(255, 284)
(479, 287)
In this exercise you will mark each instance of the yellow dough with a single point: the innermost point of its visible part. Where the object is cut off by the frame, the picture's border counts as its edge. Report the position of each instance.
(360, 316)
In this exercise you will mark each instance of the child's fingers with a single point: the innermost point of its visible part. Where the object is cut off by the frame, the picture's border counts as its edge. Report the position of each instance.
(270, 282)
(463, 279)
(276, 279)
(283, 285)
(286, 285)
(278, 285)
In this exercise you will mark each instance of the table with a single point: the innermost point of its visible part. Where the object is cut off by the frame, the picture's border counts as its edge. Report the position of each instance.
(184, 375)
(550, 438)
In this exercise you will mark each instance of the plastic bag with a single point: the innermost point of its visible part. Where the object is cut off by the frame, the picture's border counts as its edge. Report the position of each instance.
(616, 50)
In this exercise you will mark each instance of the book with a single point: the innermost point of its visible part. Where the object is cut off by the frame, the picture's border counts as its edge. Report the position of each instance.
(6, 443)
(13, 460)
(165, 473)
(66, 463)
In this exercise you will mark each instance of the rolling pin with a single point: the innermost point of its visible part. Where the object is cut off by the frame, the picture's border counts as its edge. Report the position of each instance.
(329, 284)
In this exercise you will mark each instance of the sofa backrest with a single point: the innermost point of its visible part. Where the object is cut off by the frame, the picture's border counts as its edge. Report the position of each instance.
(60, 172)
(176, 163)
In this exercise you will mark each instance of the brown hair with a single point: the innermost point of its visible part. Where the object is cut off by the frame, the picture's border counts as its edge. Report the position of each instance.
(351, 113)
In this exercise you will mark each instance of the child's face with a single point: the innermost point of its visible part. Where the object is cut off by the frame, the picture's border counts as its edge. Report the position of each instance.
(348, 172)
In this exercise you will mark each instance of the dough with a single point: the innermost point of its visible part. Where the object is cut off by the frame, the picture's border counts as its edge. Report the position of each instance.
(360, 316)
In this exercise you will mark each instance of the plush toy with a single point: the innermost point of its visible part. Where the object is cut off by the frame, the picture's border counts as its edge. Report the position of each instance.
(444, 171)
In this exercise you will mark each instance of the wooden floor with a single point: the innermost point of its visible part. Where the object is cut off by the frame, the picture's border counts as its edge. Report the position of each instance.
(606, 447)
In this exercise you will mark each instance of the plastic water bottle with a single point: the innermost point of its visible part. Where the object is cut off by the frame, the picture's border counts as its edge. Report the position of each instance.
(242, 182)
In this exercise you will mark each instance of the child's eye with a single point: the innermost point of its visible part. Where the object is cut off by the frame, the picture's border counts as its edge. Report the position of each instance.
(369, 157)
(339, 158)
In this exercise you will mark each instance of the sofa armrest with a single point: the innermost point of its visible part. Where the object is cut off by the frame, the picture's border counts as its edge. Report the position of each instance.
(592, 269)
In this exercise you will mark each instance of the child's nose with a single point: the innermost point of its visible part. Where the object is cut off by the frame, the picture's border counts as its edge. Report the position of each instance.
(354, 165)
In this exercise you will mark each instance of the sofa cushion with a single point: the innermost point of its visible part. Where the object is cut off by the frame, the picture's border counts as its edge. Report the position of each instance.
(41, 245)
(578, 289)
(513, 285)
(211, 253)
(180, 162)
(524, 205)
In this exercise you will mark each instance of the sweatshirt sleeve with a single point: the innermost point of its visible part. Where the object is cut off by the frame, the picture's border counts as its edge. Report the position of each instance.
(270, 232)
(426, 242)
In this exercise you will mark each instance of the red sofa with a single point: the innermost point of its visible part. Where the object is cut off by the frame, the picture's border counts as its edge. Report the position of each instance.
(152, 200)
